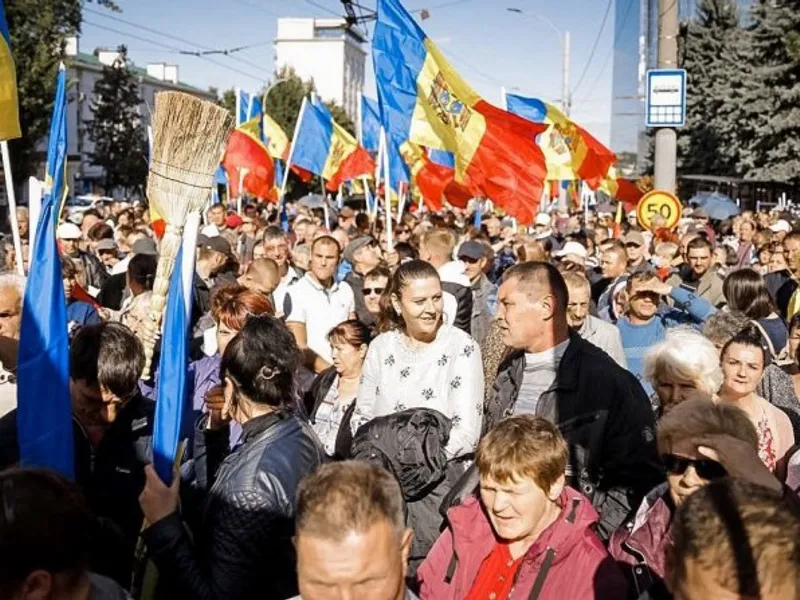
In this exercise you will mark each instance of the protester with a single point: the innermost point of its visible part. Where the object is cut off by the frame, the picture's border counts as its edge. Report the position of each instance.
(79, 313)
(603, 335)
(683, 363)
(698, 276)
(743, 359)
(12, 293)
(527, 533)
(318, 303)
(635, 249)
(241, 543)
(420, 361)
(647, 317)
(733, 539)
(331, 398)
(614, 264)
(364, 254)
(375, 283)
(484, 293)
(746, 292)
(641, 544)
(261, 276)
(48, 540)
(436, 247)
(69, 235)
(350, 535)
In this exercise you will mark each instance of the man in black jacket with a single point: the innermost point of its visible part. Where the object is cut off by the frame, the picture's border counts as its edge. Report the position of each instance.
(600, 408)
(112, 430)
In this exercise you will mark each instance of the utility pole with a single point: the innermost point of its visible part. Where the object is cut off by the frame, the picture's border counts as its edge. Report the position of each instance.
(666, 137)
(566, 99)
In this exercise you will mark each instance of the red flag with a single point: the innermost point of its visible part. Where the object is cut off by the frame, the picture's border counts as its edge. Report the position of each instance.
(245, 152)
(356, 164)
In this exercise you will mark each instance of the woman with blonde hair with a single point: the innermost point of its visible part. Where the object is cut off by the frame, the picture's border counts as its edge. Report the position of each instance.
(684, 363)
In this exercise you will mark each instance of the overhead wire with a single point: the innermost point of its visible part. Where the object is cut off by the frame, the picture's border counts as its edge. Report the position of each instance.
(594, 48)
(169, 36)
(174, 49)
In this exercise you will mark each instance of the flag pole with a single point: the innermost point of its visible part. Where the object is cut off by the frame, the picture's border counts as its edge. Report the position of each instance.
(325, 205)
(12, 209)
(360, 135)
(378, 169)
(291, 151)
(387, 194)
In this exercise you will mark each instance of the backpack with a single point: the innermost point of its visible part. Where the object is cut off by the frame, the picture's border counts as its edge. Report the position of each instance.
(781, 357)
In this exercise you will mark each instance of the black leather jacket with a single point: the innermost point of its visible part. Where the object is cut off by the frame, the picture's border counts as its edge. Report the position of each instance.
(244, 524)
(606, 418)
(96, 272)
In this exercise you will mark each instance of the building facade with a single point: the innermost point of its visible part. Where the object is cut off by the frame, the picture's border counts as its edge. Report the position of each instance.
(83, 71)
(327, 51)
(636, 51)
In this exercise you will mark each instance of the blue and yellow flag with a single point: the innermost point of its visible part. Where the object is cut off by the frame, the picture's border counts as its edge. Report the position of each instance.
(9, 108)
(425, 101)
(44, 410)
(325, 148)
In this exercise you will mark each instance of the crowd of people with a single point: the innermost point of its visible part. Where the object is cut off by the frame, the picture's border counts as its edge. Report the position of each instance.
(579, 409)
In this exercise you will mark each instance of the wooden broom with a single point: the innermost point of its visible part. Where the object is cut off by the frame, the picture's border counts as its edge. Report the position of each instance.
(189, 137)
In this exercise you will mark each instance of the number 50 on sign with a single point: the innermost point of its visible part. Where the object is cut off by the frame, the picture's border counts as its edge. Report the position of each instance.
(661, 206)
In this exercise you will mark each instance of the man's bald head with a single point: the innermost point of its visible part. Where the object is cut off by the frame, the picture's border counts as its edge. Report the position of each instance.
(263, 276)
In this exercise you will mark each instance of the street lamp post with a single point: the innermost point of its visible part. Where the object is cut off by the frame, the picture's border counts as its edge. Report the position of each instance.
(566, 96)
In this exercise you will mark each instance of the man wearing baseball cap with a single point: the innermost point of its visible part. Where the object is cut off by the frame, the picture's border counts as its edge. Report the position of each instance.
(364, 254)
(475, 257)
(69, 236)
(635, 248)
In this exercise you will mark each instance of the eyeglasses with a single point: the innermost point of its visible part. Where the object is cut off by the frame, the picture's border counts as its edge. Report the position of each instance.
(370, 291)
(705, 468)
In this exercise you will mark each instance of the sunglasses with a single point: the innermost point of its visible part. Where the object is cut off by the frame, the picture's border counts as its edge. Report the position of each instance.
(370, 291)
(632, 245)
(705, 468)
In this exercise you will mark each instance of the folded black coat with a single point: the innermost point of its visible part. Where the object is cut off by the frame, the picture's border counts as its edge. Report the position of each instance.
(410, 444)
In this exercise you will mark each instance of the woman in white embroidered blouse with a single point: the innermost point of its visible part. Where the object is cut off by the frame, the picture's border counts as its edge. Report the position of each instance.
(420, 362)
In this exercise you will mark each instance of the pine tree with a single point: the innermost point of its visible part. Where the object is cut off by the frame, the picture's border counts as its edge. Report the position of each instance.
(711, 47)
(117, 131)
(771, 117)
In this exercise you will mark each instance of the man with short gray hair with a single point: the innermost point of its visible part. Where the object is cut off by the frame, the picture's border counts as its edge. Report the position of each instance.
(351, 537)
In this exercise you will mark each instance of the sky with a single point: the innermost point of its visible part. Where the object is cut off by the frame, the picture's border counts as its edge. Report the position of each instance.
(490, 46)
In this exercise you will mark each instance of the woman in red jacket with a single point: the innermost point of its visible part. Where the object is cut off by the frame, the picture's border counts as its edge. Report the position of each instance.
(527, 535)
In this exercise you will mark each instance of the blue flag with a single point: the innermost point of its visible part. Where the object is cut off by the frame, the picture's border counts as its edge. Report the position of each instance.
(172, 369)
(370, 124)
(478, 219)
(44, 409)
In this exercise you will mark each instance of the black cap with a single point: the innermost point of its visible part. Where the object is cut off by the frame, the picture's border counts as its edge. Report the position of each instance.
(216, 243)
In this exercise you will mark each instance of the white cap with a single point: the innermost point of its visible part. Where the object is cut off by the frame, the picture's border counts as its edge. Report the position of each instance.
(781, 225)
(68, 231)
(572, 248)
(543, 219)
(209, 231)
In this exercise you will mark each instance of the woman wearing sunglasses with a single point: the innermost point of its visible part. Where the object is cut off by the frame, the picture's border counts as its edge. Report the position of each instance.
(639, 546)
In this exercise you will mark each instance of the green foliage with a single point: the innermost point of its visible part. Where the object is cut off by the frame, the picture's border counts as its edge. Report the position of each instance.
(228, 100)
(285, 98)
(38, 30)
(711, 48)
(771, 102)
(116, 129)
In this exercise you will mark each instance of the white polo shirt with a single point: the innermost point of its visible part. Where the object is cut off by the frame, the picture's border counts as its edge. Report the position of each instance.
(321, 310)
(279, 295)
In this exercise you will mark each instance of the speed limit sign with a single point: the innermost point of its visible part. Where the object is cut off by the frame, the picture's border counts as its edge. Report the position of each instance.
(659, 205)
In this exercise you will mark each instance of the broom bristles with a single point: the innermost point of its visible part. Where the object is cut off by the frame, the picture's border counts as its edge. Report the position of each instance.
(189, 137)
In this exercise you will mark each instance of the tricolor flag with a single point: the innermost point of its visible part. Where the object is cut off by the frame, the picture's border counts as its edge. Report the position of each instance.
(325, 148)
(9, 107)
(44, 409)
(434, 181)
(571, 151)
(425, 101)
(625, 190)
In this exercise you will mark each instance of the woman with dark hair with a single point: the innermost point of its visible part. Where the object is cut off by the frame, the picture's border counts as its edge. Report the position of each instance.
(48, 538)
(743, 360)
(332, 396)
(241, 544)
(746, 292)
(418, 361)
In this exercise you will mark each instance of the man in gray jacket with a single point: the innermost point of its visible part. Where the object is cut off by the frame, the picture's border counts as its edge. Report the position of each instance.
(603, 335)
(698, 275)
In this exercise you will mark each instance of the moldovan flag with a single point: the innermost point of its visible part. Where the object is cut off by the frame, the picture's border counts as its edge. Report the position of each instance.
(325, 148)
(434, 181)
(425, 101)
(622, 189)
(571, 151)
(275, 136)
(246, 151)
(9, 109)
(44, 408)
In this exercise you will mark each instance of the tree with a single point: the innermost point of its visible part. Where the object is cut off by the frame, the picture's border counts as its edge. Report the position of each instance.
(771, 118)
(116, 128)
(711, 48)
(38, 30)
(228, 101)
